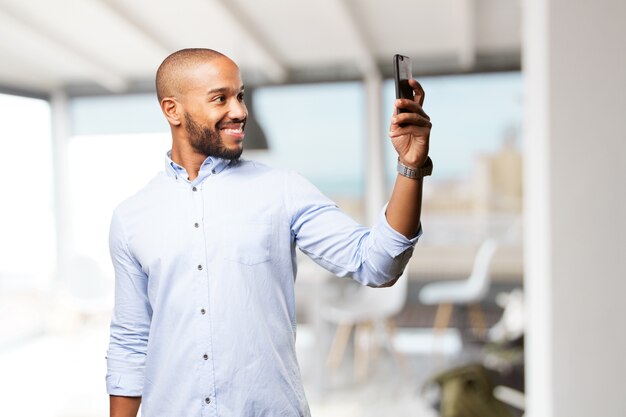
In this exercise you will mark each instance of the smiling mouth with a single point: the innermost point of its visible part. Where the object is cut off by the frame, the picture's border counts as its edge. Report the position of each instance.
(233, 129)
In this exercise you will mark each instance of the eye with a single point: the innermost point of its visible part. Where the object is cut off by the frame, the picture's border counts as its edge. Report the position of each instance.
(219, 99)
(240, 96)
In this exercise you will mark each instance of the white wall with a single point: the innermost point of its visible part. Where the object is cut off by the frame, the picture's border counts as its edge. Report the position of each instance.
(575, 175)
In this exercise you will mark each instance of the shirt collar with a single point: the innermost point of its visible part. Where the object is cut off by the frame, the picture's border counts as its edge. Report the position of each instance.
(210, 166)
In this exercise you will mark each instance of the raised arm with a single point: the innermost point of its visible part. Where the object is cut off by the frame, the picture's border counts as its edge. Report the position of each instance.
(410, 134)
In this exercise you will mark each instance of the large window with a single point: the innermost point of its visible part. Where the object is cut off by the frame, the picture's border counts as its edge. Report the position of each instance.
(104, 170)
(317, 130)
(472, 115)
(27, 245)
(118, 145)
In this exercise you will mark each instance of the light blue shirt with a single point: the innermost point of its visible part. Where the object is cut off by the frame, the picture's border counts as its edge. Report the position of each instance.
(204, 322)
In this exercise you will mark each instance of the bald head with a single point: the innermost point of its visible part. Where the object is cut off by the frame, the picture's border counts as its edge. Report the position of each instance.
(170, 77)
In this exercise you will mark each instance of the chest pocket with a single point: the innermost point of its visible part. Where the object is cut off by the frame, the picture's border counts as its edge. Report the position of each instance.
(247, 243)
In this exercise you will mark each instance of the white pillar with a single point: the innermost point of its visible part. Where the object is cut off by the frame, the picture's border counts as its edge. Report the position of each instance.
(375, 190)
(467, 34)
(60, 136)
(575, 214)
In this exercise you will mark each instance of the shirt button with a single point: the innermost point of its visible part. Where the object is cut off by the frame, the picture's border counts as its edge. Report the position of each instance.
(205, 357)
(199, 267)
(207, 400)
(196, 225)
(194, 189)
(202, 311)
(213, 171)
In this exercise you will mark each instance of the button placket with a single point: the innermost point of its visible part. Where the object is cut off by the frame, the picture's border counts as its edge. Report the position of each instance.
(199, 256)
(200, 259)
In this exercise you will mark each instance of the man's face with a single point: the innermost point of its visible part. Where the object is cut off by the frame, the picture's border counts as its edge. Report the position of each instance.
(208, 141)
(215, 113)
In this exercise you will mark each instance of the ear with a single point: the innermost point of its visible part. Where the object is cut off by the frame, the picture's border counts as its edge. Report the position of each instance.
(172, 110)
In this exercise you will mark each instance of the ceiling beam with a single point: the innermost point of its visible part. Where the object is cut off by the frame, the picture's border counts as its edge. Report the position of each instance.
(160, 42)
(97, 71)
(365, 60)
(276, 69)
(17, 91)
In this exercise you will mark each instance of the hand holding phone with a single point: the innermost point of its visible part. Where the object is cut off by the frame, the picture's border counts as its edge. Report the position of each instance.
(410, 126)
(402, 74)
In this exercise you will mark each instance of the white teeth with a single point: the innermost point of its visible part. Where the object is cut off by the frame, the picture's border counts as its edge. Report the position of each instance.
(238, 130)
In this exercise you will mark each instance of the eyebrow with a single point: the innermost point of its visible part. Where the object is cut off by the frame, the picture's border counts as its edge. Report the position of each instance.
(222, 90)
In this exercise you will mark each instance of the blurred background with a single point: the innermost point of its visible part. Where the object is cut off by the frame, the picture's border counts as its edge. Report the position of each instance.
(515, 286)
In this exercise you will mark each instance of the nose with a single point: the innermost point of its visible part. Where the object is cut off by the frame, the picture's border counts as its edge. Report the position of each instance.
(237, 110)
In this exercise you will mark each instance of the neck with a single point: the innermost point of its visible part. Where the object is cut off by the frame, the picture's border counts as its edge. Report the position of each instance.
(188, 158)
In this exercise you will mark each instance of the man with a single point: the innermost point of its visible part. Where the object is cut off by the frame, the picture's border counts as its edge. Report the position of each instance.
(204, 256)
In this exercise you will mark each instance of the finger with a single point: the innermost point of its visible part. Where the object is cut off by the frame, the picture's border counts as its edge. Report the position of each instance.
(420, 94)
(404, 119)
(415, 122)
(410, 106)
(417, 131)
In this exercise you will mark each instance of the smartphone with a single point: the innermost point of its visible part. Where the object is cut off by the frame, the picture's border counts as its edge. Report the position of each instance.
(402, 74)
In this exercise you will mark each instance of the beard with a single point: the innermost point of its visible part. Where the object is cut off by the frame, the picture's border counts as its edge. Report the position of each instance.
(208, 141)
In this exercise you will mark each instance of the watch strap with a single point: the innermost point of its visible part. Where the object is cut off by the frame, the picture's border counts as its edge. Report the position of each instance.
(416, 173)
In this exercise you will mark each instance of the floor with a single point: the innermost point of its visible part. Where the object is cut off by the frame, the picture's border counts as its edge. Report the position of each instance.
(54, 365)
(61, 374)
(391, 388)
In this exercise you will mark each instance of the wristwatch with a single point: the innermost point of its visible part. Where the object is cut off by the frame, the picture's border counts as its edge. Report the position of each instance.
(416, 173)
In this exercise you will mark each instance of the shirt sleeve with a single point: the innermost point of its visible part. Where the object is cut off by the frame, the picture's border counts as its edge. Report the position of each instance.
(130, 322)
(336, 242)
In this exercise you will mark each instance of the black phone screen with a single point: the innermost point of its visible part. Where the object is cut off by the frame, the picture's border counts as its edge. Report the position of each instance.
(402, 74)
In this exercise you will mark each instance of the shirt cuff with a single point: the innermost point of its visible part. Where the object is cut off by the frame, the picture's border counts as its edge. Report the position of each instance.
(395, 242)
(124, 378)
(124, 385)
